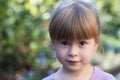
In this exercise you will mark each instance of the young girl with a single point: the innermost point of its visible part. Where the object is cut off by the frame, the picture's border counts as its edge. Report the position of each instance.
(75, 34)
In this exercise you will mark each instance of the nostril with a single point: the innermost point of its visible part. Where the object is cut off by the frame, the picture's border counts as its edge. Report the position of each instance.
(73, 55)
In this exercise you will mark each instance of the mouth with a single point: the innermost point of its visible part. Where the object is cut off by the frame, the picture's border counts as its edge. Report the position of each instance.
(73, 62)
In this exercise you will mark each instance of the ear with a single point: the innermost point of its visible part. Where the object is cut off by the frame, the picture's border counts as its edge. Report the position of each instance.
(96, 46)
(98, 43)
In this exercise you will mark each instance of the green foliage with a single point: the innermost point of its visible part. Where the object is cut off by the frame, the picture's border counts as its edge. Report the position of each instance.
(110, 17)
(110, 23)
(23, 32)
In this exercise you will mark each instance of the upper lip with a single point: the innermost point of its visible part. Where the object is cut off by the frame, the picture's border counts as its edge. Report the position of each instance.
(73, 60)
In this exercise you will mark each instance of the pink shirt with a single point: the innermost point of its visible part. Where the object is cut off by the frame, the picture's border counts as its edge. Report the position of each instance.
(97, 75)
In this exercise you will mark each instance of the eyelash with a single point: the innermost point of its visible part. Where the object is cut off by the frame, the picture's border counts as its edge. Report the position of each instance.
(64, 43)
(83, 43)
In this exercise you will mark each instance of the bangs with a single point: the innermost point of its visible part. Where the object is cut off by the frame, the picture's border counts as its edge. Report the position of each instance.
(75, 24)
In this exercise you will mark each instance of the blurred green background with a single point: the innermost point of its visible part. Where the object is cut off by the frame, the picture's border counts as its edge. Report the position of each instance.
(25, 51)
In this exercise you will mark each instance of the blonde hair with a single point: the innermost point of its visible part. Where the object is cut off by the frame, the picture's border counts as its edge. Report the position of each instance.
(75, 20)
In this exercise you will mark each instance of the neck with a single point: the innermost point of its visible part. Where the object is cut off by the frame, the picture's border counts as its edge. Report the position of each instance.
(86, 69)
(83, 74)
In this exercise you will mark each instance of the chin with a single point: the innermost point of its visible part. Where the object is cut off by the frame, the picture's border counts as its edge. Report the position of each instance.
(73, 68)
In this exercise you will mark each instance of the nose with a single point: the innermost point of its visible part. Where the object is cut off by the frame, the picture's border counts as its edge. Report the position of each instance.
(73, 52)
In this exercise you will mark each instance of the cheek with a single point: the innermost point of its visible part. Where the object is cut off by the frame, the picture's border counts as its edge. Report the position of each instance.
(60, 53)
(87, 59)
(60, 56)
(87, 55)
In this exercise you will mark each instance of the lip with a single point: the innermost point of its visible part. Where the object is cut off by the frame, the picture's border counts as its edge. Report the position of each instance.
(73, 62)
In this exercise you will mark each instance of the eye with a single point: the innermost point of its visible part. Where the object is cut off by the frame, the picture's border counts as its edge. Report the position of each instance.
(83, 43)
(64, 43)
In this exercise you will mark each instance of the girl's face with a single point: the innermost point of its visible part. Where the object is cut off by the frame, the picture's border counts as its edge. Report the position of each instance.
(75, 55)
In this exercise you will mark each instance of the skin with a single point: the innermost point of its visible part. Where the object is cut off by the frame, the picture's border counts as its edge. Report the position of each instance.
(75, 57)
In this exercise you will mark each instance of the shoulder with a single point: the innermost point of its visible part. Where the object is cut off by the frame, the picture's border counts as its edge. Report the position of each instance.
(101, 75)
(51, 77)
